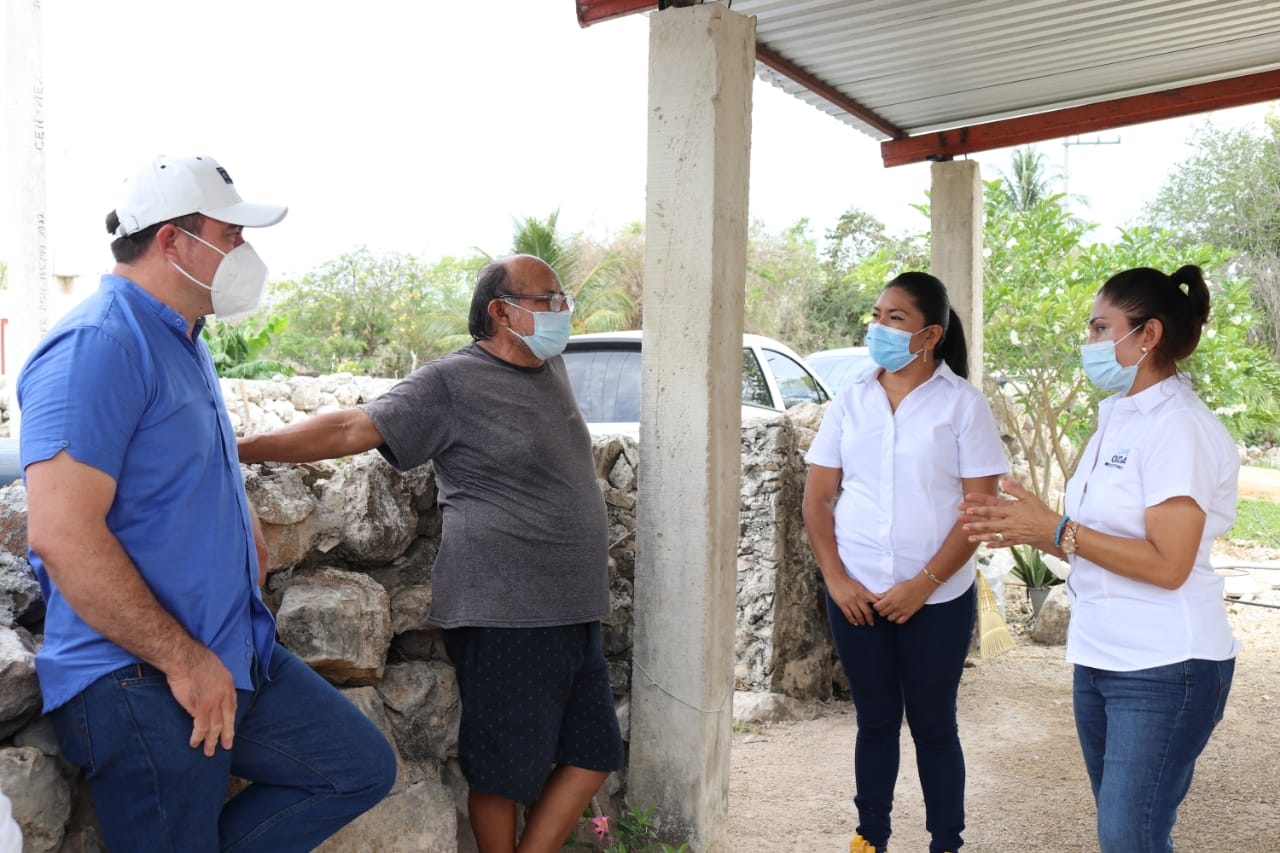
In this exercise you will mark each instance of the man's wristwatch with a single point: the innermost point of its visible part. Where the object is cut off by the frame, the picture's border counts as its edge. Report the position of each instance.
(1069, 537)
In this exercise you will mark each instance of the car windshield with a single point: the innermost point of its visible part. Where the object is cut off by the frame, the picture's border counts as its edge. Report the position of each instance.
(606, 383)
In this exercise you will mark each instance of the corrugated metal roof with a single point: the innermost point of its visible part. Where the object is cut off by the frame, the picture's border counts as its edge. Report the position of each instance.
(929, 65)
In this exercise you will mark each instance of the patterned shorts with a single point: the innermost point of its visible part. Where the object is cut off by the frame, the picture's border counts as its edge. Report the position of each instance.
(532, 699)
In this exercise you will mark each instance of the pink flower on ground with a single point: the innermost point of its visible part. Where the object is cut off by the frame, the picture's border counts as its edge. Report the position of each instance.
(600, 826)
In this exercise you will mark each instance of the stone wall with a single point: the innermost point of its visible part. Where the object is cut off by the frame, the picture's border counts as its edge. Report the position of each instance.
(352, 544)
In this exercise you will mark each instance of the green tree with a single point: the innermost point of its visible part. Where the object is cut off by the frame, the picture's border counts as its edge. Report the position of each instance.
(1227, 193)
(1036, 299)
(855, 237)
(378, 314)
(783, 272)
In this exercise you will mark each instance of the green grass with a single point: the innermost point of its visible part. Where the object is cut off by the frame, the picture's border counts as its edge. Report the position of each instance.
(1257, 521)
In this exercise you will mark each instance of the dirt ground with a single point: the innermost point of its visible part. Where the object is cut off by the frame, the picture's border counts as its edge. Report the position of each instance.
(791, 786)
(1260, 483)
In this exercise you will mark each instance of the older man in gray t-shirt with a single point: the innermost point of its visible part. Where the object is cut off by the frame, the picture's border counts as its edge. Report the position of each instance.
(521, 580)
(525, 540)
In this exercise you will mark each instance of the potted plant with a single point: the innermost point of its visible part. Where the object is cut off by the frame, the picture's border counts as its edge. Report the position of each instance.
(1029, 566)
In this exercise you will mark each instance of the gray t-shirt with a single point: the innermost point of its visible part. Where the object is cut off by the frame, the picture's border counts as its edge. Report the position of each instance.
(525, 540)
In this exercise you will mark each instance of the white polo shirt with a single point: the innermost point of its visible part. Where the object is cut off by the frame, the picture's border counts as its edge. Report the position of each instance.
(1156, 445)
(901, 473)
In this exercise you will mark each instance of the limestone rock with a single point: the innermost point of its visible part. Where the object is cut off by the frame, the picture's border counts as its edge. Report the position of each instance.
(13, 519)
(41, 797)
(339, 623)
(1050, 627)
(20, 599)
(40, 734)
(754, 707)
(424, 707)
(376, 507)
(19, 688)
(410, 609)
(419, 819)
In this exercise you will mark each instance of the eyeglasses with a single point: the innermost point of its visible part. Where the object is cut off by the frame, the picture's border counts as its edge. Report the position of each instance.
(556, 302)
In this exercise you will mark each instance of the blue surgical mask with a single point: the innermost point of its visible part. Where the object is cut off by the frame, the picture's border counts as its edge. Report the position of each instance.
(1102, 368)
(551, 330)
(891, 348)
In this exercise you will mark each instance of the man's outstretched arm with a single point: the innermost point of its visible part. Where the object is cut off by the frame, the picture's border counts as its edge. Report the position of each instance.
(327, 436)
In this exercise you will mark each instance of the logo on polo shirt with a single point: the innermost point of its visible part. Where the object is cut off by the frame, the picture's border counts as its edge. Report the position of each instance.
(1118, 459)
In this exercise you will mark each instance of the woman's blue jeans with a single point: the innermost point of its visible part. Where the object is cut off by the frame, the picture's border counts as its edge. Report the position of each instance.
(913, 668)
(1141, 733)
(315, 761)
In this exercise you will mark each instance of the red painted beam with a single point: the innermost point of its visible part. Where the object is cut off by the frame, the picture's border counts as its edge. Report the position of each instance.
(1090, 118)
(594, 11)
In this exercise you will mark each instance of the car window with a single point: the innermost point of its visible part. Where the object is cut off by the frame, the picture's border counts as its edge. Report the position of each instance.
(606, 383)
(795, 383)
(755, 389)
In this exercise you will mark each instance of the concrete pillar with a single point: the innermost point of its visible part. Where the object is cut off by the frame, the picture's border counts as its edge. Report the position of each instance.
(28, 237)
(701, 65)
(956, 226)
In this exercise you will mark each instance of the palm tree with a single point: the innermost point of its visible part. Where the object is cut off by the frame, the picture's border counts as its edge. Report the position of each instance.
(1030, 182)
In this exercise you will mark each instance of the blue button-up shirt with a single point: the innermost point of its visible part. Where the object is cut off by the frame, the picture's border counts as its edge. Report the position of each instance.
(119, 386)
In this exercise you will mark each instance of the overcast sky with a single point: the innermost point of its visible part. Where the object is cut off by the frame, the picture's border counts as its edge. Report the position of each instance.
(425, 127)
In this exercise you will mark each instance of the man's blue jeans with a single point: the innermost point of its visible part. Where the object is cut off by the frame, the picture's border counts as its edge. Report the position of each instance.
(913, 668)
(1141, 733)
(315, 761)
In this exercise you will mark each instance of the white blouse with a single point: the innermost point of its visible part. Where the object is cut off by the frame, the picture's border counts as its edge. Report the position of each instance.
(901, 474)
(1158, 444)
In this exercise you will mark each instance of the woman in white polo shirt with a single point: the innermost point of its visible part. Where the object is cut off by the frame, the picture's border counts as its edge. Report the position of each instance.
(900, 448)
(1153, 653)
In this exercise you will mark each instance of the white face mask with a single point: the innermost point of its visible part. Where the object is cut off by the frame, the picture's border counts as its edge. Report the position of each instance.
(238, 281)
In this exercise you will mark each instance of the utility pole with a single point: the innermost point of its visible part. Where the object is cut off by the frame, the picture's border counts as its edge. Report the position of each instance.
(27, 216)
(1066, 150)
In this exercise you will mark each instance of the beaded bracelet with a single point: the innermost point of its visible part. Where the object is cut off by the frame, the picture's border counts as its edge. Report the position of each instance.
(931, 576)
(1057, 534)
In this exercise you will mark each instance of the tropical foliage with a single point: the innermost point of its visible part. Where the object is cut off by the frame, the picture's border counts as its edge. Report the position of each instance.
(238, 350)
(377, 314)
(1030, 567)
(1227, 194)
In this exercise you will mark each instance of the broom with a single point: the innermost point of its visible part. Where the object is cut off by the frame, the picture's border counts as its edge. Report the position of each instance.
(993, 635)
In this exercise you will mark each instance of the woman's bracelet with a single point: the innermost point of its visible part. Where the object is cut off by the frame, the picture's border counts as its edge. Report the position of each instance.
(931, 576)
(1057, 534)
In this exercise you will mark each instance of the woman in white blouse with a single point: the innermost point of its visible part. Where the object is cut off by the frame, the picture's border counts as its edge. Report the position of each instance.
(896, 453)
(1153, 652)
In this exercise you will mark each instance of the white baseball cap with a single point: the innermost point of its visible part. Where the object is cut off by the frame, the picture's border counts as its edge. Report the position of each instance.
(169, 187)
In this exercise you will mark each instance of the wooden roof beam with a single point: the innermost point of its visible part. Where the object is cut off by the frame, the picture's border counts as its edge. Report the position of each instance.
(1089, 118)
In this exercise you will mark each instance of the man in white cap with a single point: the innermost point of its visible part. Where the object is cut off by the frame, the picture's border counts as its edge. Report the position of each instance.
(160, 669)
